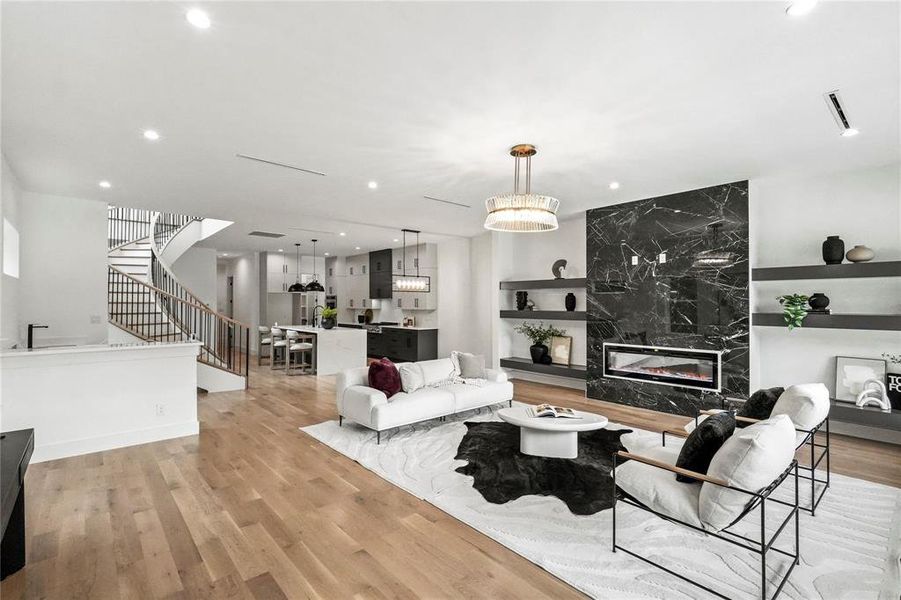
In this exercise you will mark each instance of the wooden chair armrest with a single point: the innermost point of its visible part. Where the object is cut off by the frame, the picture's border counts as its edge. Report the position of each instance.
(678, 470)
(746, 419)
(677, 432)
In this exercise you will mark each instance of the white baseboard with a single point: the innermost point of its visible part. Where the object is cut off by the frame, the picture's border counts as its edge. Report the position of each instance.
(113, 441)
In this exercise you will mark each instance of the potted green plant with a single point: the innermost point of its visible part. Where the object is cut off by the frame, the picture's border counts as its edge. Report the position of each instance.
(794, 309)
(328, 317)
(539, 334)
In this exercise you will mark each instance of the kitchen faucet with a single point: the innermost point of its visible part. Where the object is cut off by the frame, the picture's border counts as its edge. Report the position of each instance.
(31, 328)
(321, 308)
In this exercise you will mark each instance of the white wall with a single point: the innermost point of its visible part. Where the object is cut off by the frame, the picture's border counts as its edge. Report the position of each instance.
(10, 197)
(196, 270)
(790, 218)
(246, 271)
(63, 269)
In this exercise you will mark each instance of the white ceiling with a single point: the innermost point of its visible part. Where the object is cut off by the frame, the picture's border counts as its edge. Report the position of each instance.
(426, 98)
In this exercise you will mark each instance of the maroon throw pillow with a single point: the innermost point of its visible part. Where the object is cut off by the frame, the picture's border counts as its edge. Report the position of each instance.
(384, 377)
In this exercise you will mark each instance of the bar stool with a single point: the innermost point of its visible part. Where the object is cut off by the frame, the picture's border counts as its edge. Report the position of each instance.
(299, 346)
(264, 339)
(279, 343)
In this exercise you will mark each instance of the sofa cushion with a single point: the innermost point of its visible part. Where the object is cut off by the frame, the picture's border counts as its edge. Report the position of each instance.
(410, 377)
(437, 371)
(703, 443)
(425, 403)
(657, 488)
(384, 377)
(751, 459)
(472, 366)
(806, 404)
(467, 397)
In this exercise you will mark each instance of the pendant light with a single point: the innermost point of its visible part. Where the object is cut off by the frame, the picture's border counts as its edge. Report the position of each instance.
(314, 286)
(411, 283)
(297, 287)
(522, 211)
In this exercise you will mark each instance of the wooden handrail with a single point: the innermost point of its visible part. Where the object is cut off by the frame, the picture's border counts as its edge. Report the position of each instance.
(198, 304)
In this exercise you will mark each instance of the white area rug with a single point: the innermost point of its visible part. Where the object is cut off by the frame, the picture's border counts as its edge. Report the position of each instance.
(849, 551)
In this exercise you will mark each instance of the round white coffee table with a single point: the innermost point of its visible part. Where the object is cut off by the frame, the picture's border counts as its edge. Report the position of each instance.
(547, 436)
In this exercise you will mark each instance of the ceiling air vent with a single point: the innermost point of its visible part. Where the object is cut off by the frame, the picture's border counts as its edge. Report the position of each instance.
(266, 234)
(834, 101)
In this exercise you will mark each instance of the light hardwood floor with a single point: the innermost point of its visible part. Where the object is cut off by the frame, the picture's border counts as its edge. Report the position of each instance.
(254, 508)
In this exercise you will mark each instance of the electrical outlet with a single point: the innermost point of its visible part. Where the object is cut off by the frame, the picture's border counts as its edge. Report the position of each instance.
(662, 257)
(160, 410)
(634, 260)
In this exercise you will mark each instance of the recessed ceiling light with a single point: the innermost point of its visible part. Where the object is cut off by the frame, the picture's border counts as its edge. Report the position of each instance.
(105, 184)
(373, 185)
(281, 249)
(225, 254)
(151, 135)
(396, 240)
(677, 210)
(614, 185)
(800, 8)
(198, 18)
(325, 253)
(342, 234)
(850, 132)
(356, 248)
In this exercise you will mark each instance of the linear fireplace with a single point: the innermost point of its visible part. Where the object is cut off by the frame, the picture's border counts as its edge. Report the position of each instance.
(680, 367)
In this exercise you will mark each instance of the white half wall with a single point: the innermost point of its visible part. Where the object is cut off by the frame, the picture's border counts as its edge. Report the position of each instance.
(63, 269)
(196, 270)
(790, 218)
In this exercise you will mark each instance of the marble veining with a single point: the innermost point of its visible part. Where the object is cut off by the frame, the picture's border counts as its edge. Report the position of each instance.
(635, 296)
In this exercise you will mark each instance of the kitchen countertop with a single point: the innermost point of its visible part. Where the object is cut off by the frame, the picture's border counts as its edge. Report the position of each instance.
(318, 330)
(410, 328)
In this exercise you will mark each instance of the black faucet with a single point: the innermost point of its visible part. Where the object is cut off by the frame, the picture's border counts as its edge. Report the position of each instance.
(31, 328)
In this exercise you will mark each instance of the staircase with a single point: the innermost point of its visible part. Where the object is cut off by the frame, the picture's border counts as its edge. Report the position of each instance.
(147, 301)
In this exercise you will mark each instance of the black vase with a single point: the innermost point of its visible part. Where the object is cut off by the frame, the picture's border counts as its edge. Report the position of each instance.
(328, 323)
(818, 301)
(570, 302)
(538, 352)
(522, 298)
(833, 250)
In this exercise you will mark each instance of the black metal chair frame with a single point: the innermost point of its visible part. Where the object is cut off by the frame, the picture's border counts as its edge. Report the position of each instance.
(809, 440)
(759, 498)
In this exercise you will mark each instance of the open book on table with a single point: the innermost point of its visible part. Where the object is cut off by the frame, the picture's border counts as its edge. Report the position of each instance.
(546, 410)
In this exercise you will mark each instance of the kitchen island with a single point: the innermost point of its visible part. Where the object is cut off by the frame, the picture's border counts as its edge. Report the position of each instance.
(335, 349)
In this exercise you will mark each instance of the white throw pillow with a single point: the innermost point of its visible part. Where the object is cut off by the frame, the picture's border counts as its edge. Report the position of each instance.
(806, 404)
(750, 459)
(411, 378)
(437, 371)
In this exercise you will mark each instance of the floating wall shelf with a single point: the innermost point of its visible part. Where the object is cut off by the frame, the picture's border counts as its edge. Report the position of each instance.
(842, 271)
(551, 315)
(846, 321)
(526, 364)
(848, 412)
(544, 284)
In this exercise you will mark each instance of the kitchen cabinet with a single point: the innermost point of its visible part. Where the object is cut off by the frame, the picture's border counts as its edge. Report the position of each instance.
(428, 259)
(402, 344)
(380, 274)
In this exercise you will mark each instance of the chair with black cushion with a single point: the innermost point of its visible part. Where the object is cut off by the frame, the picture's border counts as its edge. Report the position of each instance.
(739, 486)
(807, 405)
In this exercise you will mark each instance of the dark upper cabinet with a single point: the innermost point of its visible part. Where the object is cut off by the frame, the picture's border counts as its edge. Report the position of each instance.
(380, 274)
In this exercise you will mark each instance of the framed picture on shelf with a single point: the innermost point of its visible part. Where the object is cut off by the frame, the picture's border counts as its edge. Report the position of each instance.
(852, 373)
(561, 348)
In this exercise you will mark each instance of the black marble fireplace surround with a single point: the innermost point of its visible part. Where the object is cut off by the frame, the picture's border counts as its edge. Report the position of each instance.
(696, 298)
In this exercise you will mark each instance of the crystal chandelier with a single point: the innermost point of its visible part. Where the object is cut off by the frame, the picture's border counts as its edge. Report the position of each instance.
(522, 211)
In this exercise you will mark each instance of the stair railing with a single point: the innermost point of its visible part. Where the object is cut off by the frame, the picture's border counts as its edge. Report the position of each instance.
(225, 343)
(126, 225)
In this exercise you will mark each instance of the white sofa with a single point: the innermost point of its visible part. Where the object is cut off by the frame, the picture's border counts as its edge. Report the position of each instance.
(439, 398)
